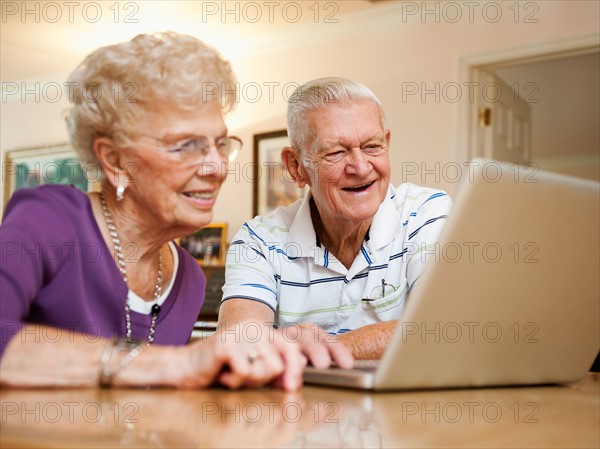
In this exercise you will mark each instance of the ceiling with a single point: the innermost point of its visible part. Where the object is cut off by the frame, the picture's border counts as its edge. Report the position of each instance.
(38, 39)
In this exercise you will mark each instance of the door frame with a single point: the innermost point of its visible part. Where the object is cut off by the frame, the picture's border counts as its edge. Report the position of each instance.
(470, 68)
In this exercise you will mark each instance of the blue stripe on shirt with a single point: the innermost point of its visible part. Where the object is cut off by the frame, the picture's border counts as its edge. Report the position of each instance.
(400, 254)
(378, 267)
(251, 231)
(258, 286)
(428, 222)
(365, 255)
(435, 195)
(270, 248)
(312, 282)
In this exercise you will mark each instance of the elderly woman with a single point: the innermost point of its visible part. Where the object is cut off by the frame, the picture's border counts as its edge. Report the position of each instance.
(346, 256)
(97, 292)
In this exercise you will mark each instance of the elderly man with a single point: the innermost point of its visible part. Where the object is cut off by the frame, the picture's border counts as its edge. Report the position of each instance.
(344, 259)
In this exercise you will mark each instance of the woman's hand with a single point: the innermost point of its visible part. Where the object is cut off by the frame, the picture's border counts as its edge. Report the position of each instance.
(251, 355)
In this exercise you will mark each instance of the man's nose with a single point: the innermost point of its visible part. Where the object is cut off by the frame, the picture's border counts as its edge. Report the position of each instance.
(358, 163)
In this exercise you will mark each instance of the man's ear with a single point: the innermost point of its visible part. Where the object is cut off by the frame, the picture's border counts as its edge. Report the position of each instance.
(294, 166)
(111, 162)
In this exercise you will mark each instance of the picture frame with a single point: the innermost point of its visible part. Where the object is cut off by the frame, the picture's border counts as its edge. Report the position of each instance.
(208, 245)
(55, 164)
(273, 186)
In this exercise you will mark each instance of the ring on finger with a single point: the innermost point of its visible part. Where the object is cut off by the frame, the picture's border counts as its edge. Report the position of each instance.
(253, 356)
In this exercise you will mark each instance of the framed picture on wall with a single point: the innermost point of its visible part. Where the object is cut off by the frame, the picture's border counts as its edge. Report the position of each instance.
(208, 244)
(273, 185)
(34, 167)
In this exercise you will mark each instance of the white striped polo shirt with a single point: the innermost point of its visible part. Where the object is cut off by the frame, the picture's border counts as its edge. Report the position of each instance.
(277, 260)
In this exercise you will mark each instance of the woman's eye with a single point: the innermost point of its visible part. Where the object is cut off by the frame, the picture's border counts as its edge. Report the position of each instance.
(188, 145)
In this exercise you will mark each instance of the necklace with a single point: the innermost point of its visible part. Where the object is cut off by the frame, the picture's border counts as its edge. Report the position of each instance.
(110, 224)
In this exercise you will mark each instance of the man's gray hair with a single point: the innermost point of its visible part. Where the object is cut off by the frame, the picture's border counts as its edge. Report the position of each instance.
(317, 94)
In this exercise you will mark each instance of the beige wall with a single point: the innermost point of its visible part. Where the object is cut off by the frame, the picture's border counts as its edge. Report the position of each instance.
(384, 48)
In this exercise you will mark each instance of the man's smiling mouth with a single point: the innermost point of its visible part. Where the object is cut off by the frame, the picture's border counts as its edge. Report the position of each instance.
(359, 188)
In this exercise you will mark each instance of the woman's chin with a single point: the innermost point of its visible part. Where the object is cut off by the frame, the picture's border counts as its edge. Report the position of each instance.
(192, 225)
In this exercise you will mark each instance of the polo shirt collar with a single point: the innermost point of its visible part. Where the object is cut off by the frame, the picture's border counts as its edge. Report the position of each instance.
(386, 225)
(302, 232)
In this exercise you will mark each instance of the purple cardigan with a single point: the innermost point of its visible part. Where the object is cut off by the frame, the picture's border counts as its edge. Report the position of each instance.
(56, 270)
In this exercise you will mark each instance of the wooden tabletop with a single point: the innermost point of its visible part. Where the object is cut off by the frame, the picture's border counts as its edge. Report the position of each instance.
(543, 416)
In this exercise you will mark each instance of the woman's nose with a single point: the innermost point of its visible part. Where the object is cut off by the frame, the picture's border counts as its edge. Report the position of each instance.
(213, 166)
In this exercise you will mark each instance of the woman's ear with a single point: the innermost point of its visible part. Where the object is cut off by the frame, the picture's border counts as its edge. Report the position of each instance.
(294, 166)
(110, 159)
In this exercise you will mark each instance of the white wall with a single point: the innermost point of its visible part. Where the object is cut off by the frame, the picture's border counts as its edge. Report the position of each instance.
(387, 55)
(387, 49)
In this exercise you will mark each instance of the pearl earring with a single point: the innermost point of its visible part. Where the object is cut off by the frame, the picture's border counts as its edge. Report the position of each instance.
(120, 192)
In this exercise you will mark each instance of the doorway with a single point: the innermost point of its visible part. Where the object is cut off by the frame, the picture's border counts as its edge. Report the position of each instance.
(559, 84)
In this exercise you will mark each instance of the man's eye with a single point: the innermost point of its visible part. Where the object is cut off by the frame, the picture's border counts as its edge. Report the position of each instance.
(334, 155)
(373, 148)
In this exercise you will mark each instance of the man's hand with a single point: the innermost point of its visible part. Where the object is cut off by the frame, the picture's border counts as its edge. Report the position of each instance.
(321, 349)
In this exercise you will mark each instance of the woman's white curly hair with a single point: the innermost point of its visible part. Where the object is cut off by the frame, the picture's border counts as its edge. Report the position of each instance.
(114, 84)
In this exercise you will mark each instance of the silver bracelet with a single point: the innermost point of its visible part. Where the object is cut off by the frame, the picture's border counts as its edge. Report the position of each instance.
(116, 356)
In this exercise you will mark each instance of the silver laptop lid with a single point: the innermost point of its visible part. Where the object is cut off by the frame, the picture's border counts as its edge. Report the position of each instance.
(511, 293)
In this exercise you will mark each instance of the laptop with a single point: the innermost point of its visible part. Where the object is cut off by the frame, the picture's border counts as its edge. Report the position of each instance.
(510, 296)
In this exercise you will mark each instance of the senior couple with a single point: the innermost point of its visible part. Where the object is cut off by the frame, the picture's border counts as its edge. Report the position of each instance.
(125, 318)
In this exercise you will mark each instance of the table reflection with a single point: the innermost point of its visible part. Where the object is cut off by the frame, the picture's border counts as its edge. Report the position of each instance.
(154, 418)
(312, 417)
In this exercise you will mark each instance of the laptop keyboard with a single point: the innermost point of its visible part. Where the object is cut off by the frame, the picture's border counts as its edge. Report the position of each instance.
(361, 365)
(366, 365)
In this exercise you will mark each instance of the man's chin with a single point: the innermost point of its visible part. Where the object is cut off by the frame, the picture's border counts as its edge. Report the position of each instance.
(357, 216)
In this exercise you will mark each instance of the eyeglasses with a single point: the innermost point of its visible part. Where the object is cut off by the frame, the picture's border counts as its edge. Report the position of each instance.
(194, 149)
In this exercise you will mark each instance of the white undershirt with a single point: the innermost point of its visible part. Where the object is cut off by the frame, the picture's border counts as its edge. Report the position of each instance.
(138, 305)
